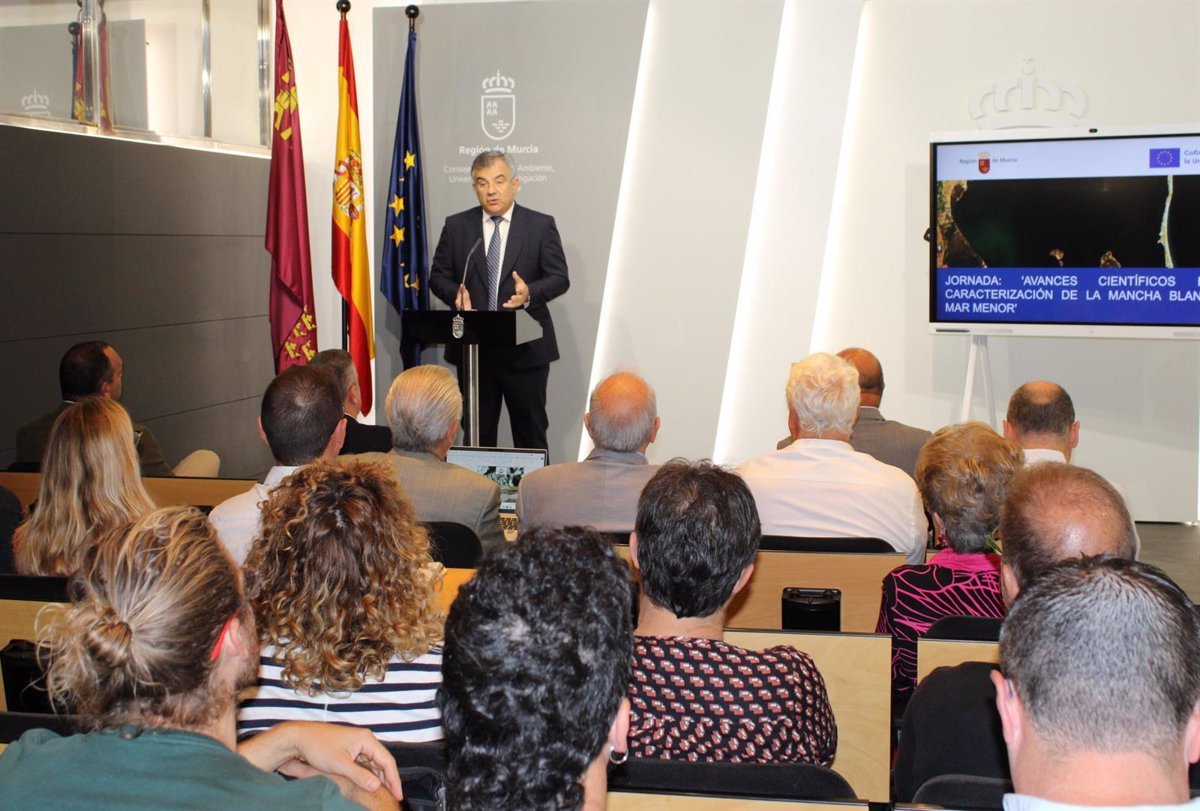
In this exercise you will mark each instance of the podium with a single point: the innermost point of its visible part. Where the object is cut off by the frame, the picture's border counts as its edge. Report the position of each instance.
(470, 329)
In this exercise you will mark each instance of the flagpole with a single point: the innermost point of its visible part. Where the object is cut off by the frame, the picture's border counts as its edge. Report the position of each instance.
(413, 12)
(343, 7)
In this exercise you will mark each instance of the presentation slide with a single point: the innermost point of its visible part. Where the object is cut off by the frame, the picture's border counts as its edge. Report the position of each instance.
(1077, 231)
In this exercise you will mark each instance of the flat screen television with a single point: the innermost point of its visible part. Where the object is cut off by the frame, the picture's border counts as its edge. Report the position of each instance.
(1066, 233)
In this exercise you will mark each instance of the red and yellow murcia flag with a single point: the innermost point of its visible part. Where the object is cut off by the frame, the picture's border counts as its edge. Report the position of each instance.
(293, 318)
(351, 272)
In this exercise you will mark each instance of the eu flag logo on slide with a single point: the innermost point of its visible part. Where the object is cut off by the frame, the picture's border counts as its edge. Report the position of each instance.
(1164, 158)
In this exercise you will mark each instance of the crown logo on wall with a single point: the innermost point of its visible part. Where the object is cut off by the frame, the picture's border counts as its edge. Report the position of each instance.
(498, 84)
(36, 104)
(1027, 100)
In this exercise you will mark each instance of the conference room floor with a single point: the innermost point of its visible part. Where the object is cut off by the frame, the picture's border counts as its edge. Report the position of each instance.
(1174, 548)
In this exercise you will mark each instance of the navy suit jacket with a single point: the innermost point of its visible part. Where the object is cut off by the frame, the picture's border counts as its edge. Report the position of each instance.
(533, 250)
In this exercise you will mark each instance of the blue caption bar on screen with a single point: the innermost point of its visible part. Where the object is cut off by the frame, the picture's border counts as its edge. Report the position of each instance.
(1167, 296)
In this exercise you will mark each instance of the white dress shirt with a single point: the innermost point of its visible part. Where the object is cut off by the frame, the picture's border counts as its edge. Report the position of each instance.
(236, 519)
(823, 488)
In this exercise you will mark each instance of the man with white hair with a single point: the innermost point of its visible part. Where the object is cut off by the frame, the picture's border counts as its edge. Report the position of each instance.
(602, 490)
(424, 407)
(819, 486)
(1098, 689)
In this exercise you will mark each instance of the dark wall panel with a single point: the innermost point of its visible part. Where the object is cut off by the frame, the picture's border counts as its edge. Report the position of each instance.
(79, 184)
(128, 281)
(154, 249)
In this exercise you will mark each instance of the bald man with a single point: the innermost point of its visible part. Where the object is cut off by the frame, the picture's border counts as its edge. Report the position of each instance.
(891, 442)
(1053, 512)
(1041, 419)
(601, 491)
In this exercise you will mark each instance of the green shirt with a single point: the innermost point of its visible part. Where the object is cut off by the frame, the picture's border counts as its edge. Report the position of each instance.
(157, 769)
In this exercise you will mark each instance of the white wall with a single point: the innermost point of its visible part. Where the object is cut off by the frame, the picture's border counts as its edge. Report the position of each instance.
(775, 194)
(774, 198)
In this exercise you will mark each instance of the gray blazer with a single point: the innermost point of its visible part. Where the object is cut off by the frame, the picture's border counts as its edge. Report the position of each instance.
(891, 442)
(601, 491)
(440, 491)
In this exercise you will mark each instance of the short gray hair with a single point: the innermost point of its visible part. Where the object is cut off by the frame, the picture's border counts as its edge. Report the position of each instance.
(341, 364)
(422, 404)
(822, 391)
(621, 412)
(1103, 652)
(486, 158)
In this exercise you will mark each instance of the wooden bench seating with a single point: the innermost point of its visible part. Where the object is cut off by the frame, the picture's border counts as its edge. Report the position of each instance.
(166, 492)
(857, 673)
(859, 576)
(935, 653)
(654, 801)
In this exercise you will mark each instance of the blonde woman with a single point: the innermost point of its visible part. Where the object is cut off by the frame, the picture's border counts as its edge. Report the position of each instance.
(345, 604)
(91, 485)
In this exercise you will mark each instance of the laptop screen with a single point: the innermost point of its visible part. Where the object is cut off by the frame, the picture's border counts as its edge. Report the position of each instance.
(505, 466)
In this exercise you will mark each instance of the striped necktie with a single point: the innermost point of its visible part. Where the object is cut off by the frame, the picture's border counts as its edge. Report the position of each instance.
(493, 265)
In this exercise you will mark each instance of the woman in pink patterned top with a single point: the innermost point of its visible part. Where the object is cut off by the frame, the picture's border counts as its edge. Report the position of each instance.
(963, 473)
(693, 696)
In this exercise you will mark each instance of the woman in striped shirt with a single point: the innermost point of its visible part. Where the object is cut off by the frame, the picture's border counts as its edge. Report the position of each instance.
(345, 604)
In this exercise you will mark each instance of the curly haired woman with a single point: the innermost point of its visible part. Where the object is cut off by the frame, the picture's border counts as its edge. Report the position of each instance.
(345, 605)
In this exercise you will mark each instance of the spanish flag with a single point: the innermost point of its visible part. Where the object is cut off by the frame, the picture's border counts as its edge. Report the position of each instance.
(351, 271)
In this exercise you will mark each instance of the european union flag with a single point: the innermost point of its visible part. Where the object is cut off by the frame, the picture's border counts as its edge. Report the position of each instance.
(1164, 158)
(404, 278)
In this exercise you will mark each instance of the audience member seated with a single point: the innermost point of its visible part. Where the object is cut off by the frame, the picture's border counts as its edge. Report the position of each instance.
(360, 438)
(889, 441)
(535, 672)
(1099, 690)
(90, 486)
(424, 407)
(1041, 419)
(151, 654)
(90, 369)
(963, 473)
(11, 516)
(1053, 512)
(819, 486)
(695, 697)
(301, 421)
(602, 490)
(345, 607)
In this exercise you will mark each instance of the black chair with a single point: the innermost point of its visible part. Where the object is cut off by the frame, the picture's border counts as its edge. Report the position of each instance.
(969, 629)
(15, 724)
(428, 755)
(787, 543)
(34, 588)
(21, 673)
(762, 780)
(453, 545)
(967, 792)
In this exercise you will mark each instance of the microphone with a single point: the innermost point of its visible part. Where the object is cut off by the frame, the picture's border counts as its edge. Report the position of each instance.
(463, 283)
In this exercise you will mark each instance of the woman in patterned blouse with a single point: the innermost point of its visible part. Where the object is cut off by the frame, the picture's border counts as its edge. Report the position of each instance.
(963, 473)
(695, 697)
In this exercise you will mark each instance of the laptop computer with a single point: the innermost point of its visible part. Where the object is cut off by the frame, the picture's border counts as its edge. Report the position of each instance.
(506, 467)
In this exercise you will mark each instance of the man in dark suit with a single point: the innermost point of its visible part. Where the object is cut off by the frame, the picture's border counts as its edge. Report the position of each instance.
(360, 438)
(512, 258)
